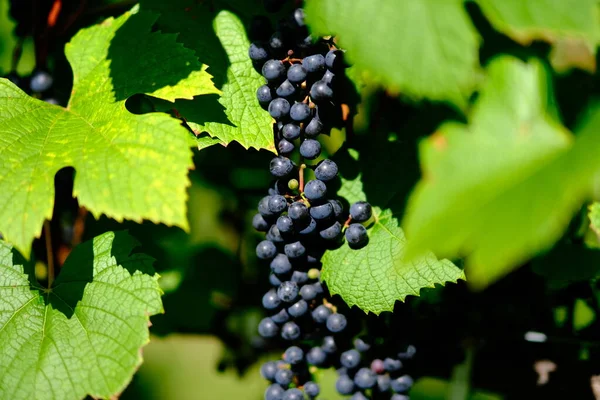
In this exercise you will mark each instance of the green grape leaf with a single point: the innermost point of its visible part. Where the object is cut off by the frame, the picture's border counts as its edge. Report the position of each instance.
(504, 187)
(594, 216)
(548, 20)
(84, 335)
(571, 26)
(128, 166)
(219, 40)
(377, 275)
(423, 48)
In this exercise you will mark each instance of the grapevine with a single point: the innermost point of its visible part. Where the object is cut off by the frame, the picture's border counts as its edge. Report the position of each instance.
(299, 199)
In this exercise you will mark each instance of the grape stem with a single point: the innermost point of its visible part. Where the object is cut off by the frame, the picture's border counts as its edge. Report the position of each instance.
(49, 253)
(348, 221)
(301, 178)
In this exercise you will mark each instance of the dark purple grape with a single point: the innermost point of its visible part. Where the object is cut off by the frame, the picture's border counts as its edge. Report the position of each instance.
(259, 223)
(320, 314)
(361, 211)
(365, 378)
(285, 147)
(277, 204)
(286, 90)
(290, 331)
(300, 112)
(315, 190)
(281, 317)
(299, 277)
(383, 382)
(264, 94)
(350, 359)
(274, 236)
(311, 389)
(298, 211)
(274, 280)
(266, 250)
(314, 127)
(316, 356)
(402, 383)
(274, 392)
(336, 323)
(392, 365)
(285, 224)
(344, 385)
(281, 167)
(281, 264)
(293, 394)
(299, 17)
(334, 60)
(322, 211)
(296, 73)
(279, 109)
(314, 63)
(310, 149)
(361, 345)
(267, 328)
(284, 377)
(298, 309)
(268, 370)
(326, 170)
(320, 91)
(291, 131)
(270, 301)
(273, 71)
(294, 250)
(329, 345)
(357, 236)
(288, 291)
(258, 53)
(333, 232)
(293, 355)
(308, 292)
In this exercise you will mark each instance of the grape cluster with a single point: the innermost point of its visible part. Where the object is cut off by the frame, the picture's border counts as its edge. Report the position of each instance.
(364, 376)
(302, 219)
(39, 84)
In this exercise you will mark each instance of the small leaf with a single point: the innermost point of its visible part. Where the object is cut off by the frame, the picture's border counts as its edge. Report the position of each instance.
(583, 315)
(504, 187)
(424, 48)
(219, 40)
(83, 336)
(374, 277)
(128, 166)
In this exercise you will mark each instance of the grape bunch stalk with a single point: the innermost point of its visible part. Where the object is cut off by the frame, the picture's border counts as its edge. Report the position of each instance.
(302, 219)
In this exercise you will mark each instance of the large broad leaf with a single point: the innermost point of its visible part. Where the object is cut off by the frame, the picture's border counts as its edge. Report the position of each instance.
(219, 40)
(128, 166)
(424, 48)
(549, 20)
(504, 187)
(376, 276)
(82, 336)
(570, 25)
